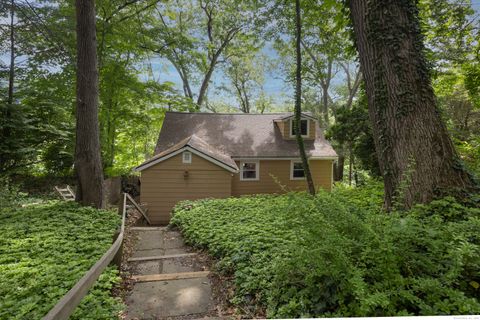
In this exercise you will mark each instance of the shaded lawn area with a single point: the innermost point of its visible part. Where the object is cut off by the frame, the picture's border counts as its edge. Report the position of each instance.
(45, 249)
(339, 254)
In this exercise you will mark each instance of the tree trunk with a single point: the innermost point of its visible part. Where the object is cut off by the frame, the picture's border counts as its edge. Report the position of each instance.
(339, 167)
(350, 165)
(298, 99)
(88, 163)
(206, 79)
(5, 121)
(11, 74)
(325, 105)
(415, 153)
(325, 97)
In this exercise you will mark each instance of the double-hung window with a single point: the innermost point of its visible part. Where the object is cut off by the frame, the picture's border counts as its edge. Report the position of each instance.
(249, 170)
(296, 170)
(304, 128)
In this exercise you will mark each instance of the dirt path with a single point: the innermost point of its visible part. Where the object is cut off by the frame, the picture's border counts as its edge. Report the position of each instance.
(171, 280)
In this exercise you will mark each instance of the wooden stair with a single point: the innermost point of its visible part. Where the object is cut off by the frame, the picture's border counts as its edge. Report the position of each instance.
(67, 194)
(170, 276)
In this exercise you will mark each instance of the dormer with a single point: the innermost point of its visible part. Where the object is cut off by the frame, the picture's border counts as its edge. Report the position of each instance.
(287, 128)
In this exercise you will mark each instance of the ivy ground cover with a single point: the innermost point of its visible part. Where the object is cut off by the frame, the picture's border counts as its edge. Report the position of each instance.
(339, 254)
(45, 249)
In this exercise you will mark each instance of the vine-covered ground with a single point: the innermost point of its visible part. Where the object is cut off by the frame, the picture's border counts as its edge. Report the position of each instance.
(339, 254)
(45, 248)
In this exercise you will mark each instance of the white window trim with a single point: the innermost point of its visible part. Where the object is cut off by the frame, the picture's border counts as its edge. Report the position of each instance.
(189, 160)
(257, 171)
(291, 170)
(308, 128)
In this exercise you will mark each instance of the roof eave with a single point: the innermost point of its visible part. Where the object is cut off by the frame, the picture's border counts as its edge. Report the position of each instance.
(304, 115)
(289, 157)
(149, 163)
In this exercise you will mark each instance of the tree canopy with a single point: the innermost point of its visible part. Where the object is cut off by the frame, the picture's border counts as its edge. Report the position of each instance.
(212, 56)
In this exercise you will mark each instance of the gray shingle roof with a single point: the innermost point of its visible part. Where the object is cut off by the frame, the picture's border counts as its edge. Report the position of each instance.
(237, 135)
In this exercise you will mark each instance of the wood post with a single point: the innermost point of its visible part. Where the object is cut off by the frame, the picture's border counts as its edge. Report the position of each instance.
(117, 259)
(138, 208)
(120, 206)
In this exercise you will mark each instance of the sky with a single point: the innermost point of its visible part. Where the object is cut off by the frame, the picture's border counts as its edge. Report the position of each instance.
(274, 87)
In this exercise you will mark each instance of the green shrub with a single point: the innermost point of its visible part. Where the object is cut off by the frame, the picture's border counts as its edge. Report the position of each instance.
(338, 254)
(45, 249)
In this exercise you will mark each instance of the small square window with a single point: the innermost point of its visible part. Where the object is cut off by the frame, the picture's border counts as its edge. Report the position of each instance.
(249, 171)
(297, 172)
(187, 157)
(303, 127)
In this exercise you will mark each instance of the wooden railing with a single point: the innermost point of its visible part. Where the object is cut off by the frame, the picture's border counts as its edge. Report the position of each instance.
(66, 306)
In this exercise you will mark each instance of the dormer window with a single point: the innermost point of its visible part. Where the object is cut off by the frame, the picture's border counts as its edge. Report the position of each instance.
(304, 128)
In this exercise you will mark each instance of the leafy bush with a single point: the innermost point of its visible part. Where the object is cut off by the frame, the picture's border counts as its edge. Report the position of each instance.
(338, 254)
(10, 195)
(45, 249)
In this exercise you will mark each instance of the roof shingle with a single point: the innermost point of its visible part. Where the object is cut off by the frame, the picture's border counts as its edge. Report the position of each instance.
(237, 136)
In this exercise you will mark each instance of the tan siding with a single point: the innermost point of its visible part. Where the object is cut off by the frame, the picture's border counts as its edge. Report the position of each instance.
(281, 127)
(286, 130)
(321, 172)
(164, 184)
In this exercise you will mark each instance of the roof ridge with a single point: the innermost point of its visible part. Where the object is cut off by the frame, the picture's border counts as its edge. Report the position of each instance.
(194, 136)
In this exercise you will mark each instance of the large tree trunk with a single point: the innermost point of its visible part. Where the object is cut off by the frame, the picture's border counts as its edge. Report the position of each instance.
(7, 110)
(298, 99)
(88, 163)
(11, 74)
(415, 153)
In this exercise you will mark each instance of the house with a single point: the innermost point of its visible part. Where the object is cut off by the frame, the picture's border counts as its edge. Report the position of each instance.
(218, 155)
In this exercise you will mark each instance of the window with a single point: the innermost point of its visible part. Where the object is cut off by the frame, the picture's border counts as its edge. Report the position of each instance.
(296, 171)
(187, 157)
(249, 170)
(304, 127)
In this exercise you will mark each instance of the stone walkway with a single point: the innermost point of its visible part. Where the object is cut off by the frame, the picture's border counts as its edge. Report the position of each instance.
(171, 282)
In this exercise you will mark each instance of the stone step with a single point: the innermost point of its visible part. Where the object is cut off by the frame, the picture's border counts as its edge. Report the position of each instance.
(148, 228)
(169, 256)
(162, 299)
(170, 276)
(174, 265)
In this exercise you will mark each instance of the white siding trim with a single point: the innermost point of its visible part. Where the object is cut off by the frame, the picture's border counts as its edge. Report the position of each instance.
(194, 151)
(257, 170)
(303, 115)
